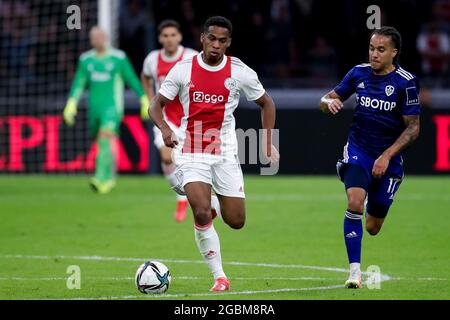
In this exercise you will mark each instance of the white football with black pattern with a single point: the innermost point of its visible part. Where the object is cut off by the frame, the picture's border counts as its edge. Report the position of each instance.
(153, 277)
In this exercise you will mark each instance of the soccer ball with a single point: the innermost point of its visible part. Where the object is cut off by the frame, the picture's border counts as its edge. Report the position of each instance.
(153, 277)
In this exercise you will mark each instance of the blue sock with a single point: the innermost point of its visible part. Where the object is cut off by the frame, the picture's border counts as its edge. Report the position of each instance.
(353, 233)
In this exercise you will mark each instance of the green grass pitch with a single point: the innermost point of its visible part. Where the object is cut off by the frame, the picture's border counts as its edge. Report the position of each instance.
(291, 247)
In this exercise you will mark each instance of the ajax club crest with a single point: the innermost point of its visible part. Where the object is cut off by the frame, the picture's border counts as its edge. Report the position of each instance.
(230, 83)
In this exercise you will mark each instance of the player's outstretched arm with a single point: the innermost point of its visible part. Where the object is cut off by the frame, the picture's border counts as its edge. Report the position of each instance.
(331, 102)
(156, 115)
(78, 85)
(268, 123)
(407, 137)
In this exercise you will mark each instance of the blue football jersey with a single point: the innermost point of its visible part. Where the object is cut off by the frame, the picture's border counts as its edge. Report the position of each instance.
(381, 101)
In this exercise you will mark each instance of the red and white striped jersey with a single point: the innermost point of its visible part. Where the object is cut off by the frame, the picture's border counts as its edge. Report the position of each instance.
(157, 65)
(209, 95)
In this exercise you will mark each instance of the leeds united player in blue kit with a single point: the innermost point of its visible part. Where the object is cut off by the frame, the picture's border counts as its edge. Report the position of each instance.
(386, 120)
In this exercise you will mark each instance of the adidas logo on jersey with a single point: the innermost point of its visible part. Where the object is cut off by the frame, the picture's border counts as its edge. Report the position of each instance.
(361, 85)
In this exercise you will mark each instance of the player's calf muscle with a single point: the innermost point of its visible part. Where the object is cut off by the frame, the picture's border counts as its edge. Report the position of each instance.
(373, 225)
(235, 222)
(234, 215)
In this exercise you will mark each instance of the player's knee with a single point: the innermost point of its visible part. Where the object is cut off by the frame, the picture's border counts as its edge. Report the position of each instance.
(202, 215)
(238, 220)
(355, 203)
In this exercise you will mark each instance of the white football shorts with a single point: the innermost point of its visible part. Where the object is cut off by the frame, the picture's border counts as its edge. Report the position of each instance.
(224, 174)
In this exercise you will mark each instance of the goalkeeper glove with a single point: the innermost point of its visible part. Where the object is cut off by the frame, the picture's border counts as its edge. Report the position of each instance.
(144, 107)
(70, 111)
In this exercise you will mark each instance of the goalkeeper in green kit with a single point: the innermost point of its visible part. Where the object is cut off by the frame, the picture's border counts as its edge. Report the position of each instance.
(104, 71)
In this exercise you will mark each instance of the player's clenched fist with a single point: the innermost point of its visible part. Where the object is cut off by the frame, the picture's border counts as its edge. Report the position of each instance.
(169, 137)
(380, 166)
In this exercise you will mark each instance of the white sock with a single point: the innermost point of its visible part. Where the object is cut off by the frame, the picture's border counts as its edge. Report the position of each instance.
(355, 266)
(209, 246)
(215, 204)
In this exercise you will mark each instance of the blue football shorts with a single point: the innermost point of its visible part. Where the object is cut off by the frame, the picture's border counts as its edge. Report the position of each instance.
(355, 170)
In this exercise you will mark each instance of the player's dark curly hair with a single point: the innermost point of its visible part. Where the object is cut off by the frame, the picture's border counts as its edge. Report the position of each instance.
(168, 23)
(395, 37)
(218, 21)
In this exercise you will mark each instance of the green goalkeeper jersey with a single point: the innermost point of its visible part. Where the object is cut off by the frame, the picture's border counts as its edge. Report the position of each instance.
(105, 77)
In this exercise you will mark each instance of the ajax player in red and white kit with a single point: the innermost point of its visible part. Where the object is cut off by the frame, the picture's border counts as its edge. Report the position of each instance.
(156, 67)
(209, 86)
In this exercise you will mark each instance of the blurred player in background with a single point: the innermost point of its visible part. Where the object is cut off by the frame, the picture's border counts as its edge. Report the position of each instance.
(103, 70)
(156, 67)
(386, 121)
(208, 86)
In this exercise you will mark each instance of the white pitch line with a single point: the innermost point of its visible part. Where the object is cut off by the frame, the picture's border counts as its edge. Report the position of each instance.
(208, 278)
(306, 197)
(432, 279)
(336, 196)
(420, 279)
(32, 279)
(174, 277)
(184, 295)
(251, 264)
(383, 277)
(235, 263)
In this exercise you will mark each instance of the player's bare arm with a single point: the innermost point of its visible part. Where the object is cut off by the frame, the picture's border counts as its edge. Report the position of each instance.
(268, 122)
(156, 115)
(331, 102)
(407, 137)
(147, 83)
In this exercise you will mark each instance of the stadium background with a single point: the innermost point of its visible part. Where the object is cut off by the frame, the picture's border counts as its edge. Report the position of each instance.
(299, 48)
